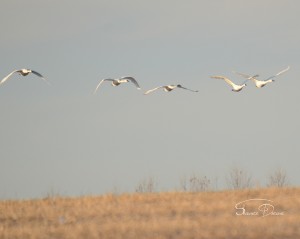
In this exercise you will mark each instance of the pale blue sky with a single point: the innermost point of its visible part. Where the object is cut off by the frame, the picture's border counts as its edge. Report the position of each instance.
(62, 138)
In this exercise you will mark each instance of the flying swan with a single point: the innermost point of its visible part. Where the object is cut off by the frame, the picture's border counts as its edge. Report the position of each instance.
(168, 88)
(261, 83)
(235, 87)
(116, 82)
(23, 72)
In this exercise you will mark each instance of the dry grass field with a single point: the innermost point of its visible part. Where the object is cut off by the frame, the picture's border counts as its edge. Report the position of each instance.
(156, 215)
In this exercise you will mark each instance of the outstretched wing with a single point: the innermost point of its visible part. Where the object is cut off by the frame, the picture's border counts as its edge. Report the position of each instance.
(132, 80)
(38, 74)
(149, 91)
(101, 83)
(279, 73)
(179, 86)
(253, 78)
(6, 77)
(224, 78)
(242, 74)
(248, 77)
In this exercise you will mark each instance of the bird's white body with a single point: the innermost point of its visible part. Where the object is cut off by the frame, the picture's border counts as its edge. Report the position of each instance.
(260, 83)
(168, 88)
(116, 82)
(23, 72)
(238, 88)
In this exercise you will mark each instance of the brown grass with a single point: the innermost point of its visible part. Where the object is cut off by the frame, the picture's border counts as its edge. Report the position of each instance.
(155, 215)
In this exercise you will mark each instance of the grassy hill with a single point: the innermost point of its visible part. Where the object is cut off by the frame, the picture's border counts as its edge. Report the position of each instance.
(157, 215)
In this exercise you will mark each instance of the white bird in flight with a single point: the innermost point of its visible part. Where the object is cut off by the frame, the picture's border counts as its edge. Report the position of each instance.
(23, 72)
(235, 87)
(168, 88)
(262, 83)
(116, 82)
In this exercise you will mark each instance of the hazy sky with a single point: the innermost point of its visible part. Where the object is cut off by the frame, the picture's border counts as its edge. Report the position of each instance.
(63, 139)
